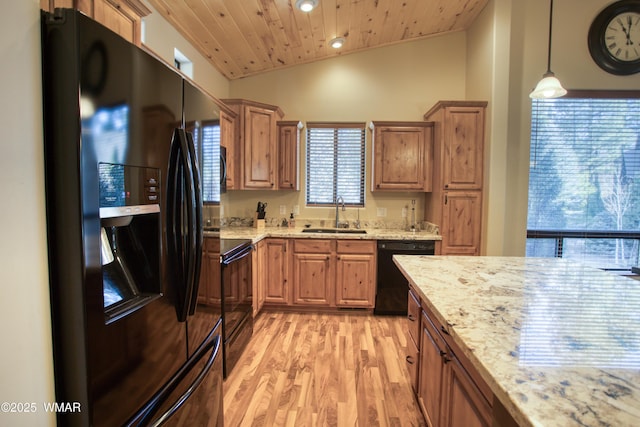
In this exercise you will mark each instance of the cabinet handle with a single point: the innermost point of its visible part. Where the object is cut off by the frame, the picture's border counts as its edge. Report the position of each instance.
(444, 330)
(446, 199)
(411, 318)
(410, 360)
(446, 359)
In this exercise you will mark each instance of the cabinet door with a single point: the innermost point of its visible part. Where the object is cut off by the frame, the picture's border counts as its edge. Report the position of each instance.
(259, 148)
(288, 147)
(463, 403)
(209, 290)
(431, 375)
(399, 158)
(461, 223)
(258, 277)
(463, 148)
(355, 280)
(276, 272)
(228, 140)
(312, 277)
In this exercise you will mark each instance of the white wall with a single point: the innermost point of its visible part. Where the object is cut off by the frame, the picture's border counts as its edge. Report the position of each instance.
(26, 367)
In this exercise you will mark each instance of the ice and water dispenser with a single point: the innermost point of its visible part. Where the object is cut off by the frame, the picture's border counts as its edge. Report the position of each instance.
(130, 236)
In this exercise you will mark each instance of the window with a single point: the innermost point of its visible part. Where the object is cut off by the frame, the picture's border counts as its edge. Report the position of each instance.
(182, 63)
(206, 138)
(335, 163)
(584, 179)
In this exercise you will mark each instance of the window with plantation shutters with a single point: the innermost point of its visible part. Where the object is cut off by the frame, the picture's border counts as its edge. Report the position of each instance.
(206, 138)
(584, 179)
(335, 163)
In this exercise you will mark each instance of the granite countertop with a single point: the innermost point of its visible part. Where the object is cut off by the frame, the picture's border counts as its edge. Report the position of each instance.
(257, 234)
(557, 342)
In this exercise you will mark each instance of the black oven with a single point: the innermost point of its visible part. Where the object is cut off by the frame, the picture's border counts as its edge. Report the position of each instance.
(237, 316)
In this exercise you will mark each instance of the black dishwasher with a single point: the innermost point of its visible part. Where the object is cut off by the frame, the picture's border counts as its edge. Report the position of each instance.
(391, 286)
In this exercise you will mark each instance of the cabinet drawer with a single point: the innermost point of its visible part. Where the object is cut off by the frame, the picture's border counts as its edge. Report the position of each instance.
(413, 317)
(356, 246)
(313, 246)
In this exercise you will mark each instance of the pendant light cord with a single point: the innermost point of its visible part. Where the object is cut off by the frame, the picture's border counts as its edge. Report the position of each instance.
(550, 26)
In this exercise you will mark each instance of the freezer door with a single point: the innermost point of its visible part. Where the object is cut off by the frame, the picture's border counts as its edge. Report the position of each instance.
(194, 395)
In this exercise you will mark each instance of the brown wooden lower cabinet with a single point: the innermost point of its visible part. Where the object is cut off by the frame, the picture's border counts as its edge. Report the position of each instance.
(315, 273)
(209, 289)
(276, 271)
(449, 392)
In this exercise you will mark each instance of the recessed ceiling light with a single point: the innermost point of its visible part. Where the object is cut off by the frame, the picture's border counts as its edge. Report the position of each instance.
(306, 5)
(337, 42)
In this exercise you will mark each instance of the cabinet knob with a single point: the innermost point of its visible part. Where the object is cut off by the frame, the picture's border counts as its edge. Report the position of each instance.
(410, 360)
(446, 186)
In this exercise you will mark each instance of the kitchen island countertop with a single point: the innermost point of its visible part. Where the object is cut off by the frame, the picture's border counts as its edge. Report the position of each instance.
(558, 343)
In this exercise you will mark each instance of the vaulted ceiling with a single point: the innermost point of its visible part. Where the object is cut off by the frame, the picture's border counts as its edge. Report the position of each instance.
(247, 37)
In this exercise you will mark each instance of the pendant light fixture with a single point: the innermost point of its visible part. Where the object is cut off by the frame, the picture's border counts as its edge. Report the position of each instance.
(549, 86)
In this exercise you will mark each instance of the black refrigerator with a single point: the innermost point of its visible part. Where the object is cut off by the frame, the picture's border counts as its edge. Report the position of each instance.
(132, 343)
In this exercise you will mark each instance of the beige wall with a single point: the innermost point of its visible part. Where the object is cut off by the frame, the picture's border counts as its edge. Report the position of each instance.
(26, 366)
(399, 82)
(572, 64)
(162, 38)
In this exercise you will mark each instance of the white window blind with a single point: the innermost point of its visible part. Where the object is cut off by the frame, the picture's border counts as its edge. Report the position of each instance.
(335, 163)
(584, 180)
(206, 138)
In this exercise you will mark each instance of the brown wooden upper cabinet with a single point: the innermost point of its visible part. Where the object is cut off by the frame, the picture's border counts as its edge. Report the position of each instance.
(255, 147)
(288, 149)
(228, 141)
(455, 203)
(123, 17)
(402, 156)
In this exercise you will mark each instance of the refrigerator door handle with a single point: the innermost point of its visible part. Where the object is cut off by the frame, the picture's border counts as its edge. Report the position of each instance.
(174, 224)
(182, 218)
(223, 170)
(196, 233)
(142, 418)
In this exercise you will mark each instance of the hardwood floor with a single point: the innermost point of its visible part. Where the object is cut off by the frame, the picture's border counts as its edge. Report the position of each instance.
(342, 369)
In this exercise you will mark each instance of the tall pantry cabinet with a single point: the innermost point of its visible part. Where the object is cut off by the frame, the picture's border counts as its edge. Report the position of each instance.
(455, 203)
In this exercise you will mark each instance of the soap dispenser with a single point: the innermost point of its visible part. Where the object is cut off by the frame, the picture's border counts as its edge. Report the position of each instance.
(292, 221)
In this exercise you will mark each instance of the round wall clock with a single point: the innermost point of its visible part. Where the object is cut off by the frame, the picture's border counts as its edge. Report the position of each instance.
(614, 38)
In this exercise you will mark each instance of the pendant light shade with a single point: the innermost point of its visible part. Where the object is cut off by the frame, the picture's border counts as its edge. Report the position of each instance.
(549, 86)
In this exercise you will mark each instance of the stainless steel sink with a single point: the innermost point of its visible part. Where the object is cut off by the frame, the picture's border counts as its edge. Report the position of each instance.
(334, 230)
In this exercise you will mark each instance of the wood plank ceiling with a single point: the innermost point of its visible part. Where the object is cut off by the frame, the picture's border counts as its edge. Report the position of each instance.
(246, 37)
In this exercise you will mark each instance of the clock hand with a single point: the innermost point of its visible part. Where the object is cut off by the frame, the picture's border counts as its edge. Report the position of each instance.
(628, 32)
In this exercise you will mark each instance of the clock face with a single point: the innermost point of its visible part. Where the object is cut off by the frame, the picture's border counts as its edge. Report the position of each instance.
(614, 38)
(622, 37)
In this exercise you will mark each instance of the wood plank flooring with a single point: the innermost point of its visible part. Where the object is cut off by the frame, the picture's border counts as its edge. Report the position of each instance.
(325, 369)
